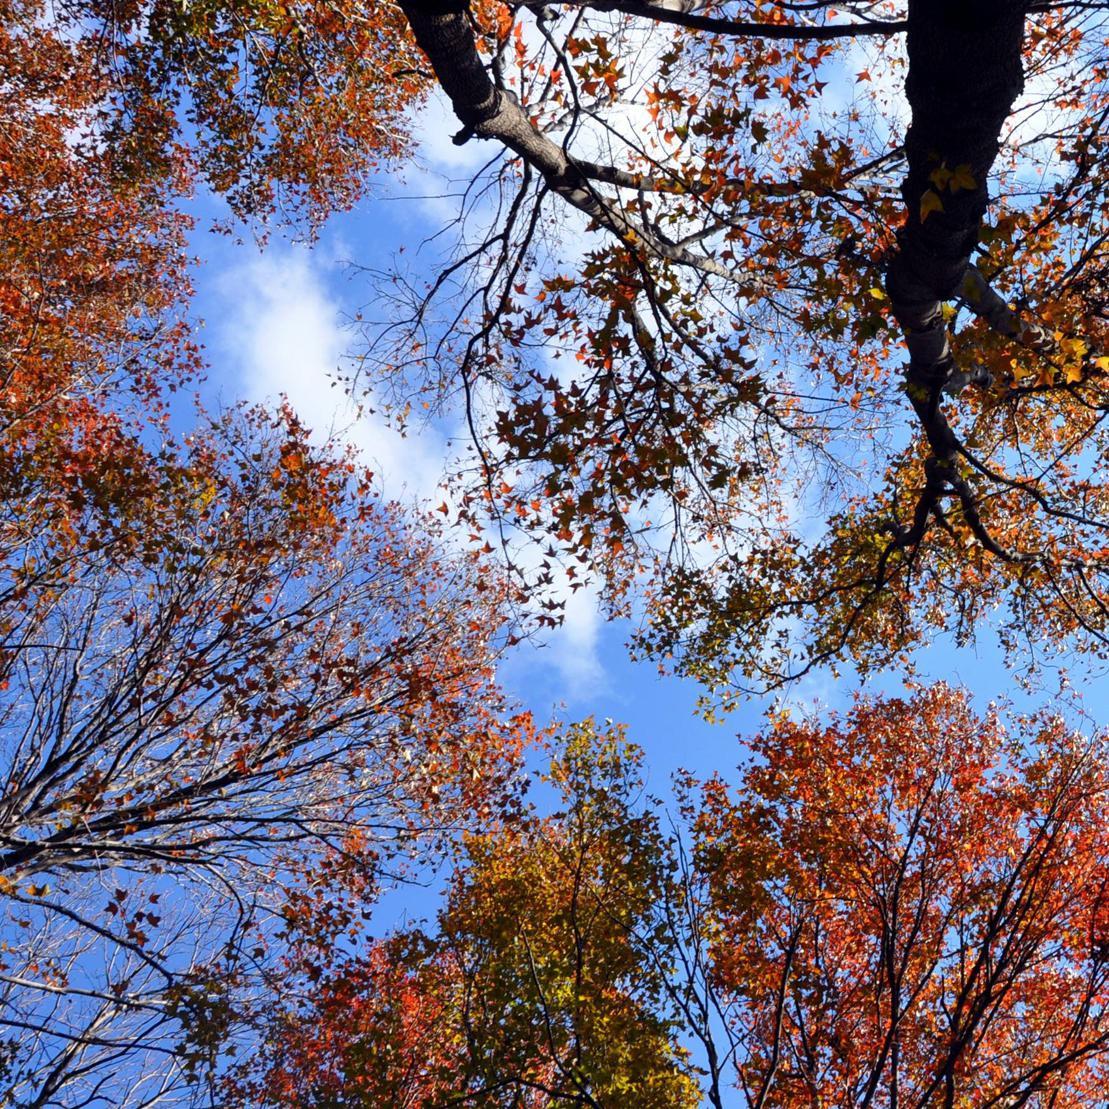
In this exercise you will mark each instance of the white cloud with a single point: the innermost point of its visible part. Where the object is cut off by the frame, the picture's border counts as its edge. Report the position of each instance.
(571, 650)
(434, 132)
(284, 332)
(441, 170)
(573, 647)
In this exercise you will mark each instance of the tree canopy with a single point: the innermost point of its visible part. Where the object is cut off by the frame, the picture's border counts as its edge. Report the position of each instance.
(275, 677)
(772, 202)
(784, 320)
(782, 198)
(900, 907)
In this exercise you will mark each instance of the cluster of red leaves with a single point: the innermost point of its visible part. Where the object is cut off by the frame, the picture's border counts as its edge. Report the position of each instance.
(912, 905)
(91, 273)
(378, 1034)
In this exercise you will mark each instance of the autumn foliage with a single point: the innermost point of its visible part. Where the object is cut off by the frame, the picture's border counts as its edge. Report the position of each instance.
(783, 322)
(719, 230)
(911, 905)
(91, 281)
(533, 992)
(905, 906)
(276, 676)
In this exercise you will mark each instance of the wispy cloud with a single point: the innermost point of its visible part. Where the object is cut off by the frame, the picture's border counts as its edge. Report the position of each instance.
(283, 331)
(434, 132)
(573, 648)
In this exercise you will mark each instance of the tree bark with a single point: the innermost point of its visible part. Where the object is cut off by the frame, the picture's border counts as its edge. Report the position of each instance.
(964, 74)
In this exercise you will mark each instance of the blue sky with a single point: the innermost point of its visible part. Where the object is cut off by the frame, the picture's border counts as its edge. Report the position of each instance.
(278, 321)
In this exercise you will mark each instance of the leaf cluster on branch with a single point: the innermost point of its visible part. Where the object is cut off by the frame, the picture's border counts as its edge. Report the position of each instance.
(275, 673)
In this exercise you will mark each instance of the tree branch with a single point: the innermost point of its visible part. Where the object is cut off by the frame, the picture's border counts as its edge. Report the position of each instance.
(444, 34)
(678, 13)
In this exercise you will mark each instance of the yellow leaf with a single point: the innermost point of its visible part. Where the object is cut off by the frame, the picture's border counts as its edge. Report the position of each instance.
(877, 293)
(1102, 362)
(962, 179)
(940, 176)
(929, 203)
(1073, 349)
(1073, 372)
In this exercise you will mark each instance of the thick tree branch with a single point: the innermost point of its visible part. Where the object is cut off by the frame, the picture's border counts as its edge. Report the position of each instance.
(680, 14)
(964, 75)
(981, 298)
(445, 36)
(965, 72)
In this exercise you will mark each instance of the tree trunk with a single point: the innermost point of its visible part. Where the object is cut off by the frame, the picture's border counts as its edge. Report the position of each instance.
(964, 74)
